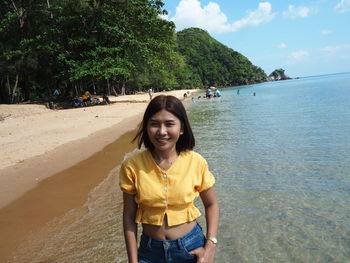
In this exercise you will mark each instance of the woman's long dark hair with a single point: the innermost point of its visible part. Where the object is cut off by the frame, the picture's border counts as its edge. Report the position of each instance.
(173, 105)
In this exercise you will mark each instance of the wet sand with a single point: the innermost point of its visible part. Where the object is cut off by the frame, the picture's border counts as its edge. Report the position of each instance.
(58, 194)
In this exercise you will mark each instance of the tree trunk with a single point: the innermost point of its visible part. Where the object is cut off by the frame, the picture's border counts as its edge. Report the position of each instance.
(8, 85)
(48, 7)
(14, 89)
(123, 89)
(93, 86)
(5, 90)
(20, 11)
(108, 88)
(25, 88)
(114, 91)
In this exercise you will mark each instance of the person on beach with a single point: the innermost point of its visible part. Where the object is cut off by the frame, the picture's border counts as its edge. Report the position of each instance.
(160, 184)
(208, 93)
(106, 99)
(56, 92)
(217, 93)
(150, 93)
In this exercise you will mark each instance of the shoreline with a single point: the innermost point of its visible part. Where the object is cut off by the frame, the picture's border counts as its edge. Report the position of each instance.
(26, 175)
(40, 188)
(55, 196)
(38, 142)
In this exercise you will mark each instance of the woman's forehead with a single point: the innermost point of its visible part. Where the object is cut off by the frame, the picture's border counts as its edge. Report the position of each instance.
(163, 115)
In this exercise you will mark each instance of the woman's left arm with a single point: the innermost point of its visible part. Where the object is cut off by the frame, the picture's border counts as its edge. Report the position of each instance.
(211, 206)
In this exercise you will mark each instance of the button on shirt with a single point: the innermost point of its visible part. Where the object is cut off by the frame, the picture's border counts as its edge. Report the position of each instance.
(172, 192)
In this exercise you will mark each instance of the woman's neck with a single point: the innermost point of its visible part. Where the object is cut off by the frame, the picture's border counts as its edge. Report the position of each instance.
(165, 159)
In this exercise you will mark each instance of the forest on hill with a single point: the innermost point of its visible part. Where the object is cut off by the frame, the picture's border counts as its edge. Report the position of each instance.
(214, 64)
(107, 47)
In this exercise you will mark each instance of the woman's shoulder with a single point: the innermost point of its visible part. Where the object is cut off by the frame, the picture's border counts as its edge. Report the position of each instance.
(193, 155)
(135, 157)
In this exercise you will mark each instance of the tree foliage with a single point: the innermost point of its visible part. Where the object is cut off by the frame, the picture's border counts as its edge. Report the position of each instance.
(212, 63)
(75, 45)
(105, 47)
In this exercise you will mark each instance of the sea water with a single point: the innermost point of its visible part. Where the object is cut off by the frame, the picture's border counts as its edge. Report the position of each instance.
(282, 164)
(281, 160)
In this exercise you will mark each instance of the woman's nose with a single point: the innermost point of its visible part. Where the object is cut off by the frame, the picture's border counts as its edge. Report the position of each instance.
(162, 129)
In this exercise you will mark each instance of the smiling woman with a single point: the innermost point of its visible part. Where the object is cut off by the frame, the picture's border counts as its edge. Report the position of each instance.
(173, 106)
(160, 185)
(164, 130)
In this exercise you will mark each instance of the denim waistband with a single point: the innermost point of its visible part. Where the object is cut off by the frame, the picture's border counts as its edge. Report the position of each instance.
(197, 229)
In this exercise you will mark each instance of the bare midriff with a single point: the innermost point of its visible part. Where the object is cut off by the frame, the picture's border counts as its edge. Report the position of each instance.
(165, 232)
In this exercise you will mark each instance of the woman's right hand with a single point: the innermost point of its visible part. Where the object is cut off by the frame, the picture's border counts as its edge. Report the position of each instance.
(205, 254)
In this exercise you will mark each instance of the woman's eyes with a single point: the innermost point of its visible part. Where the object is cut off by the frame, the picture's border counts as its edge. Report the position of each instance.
(154, 124)
(157, 124)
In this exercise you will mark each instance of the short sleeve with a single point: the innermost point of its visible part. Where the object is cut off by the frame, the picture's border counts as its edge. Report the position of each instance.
(127, 180)
(207, 178)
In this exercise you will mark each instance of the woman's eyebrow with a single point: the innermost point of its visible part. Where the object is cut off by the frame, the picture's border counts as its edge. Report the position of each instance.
(155, 120)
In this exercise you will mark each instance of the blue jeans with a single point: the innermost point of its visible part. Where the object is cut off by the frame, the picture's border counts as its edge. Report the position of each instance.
(171, 251)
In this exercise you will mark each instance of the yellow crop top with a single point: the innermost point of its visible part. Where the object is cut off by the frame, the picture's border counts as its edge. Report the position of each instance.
(172, 192)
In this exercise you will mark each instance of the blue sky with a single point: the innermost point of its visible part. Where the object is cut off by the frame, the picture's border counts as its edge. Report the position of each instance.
(305, 38)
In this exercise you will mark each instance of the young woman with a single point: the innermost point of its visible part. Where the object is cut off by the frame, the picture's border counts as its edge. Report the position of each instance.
(159, 186)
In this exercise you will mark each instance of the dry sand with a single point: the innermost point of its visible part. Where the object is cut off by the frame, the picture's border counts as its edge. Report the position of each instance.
(37, 142)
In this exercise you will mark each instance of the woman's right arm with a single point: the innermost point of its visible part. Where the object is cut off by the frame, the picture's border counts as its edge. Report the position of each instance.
(130, 227)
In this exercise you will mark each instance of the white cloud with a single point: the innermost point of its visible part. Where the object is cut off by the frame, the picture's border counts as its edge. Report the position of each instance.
(299, 55)
(282, 45)
(190, 13)
(253, 18)
(298, 11)
(326, 31)
(333, 49)
(343, 6)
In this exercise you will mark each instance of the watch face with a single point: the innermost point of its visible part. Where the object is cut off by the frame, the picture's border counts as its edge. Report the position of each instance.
(213, 239)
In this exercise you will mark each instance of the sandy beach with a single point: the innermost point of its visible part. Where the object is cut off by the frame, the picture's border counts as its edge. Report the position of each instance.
(37, 143)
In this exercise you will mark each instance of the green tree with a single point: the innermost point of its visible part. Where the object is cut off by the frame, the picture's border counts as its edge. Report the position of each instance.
(78, 44)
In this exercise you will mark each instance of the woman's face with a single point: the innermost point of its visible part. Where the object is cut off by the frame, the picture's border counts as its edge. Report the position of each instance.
(164, 129)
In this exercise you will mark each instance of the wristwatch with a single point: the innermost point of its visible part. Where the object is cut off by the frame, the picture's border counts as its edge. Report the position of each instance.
(213, 239)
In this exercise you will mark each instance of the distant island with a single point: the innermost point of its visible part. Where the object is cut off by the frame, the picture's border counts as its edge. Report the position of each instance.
(278, 74)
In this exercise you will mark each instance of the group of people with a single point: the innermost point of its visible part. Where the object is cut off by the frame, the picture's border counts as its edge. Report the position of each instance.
(209, 94)
(254, 93)
(86, 100)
